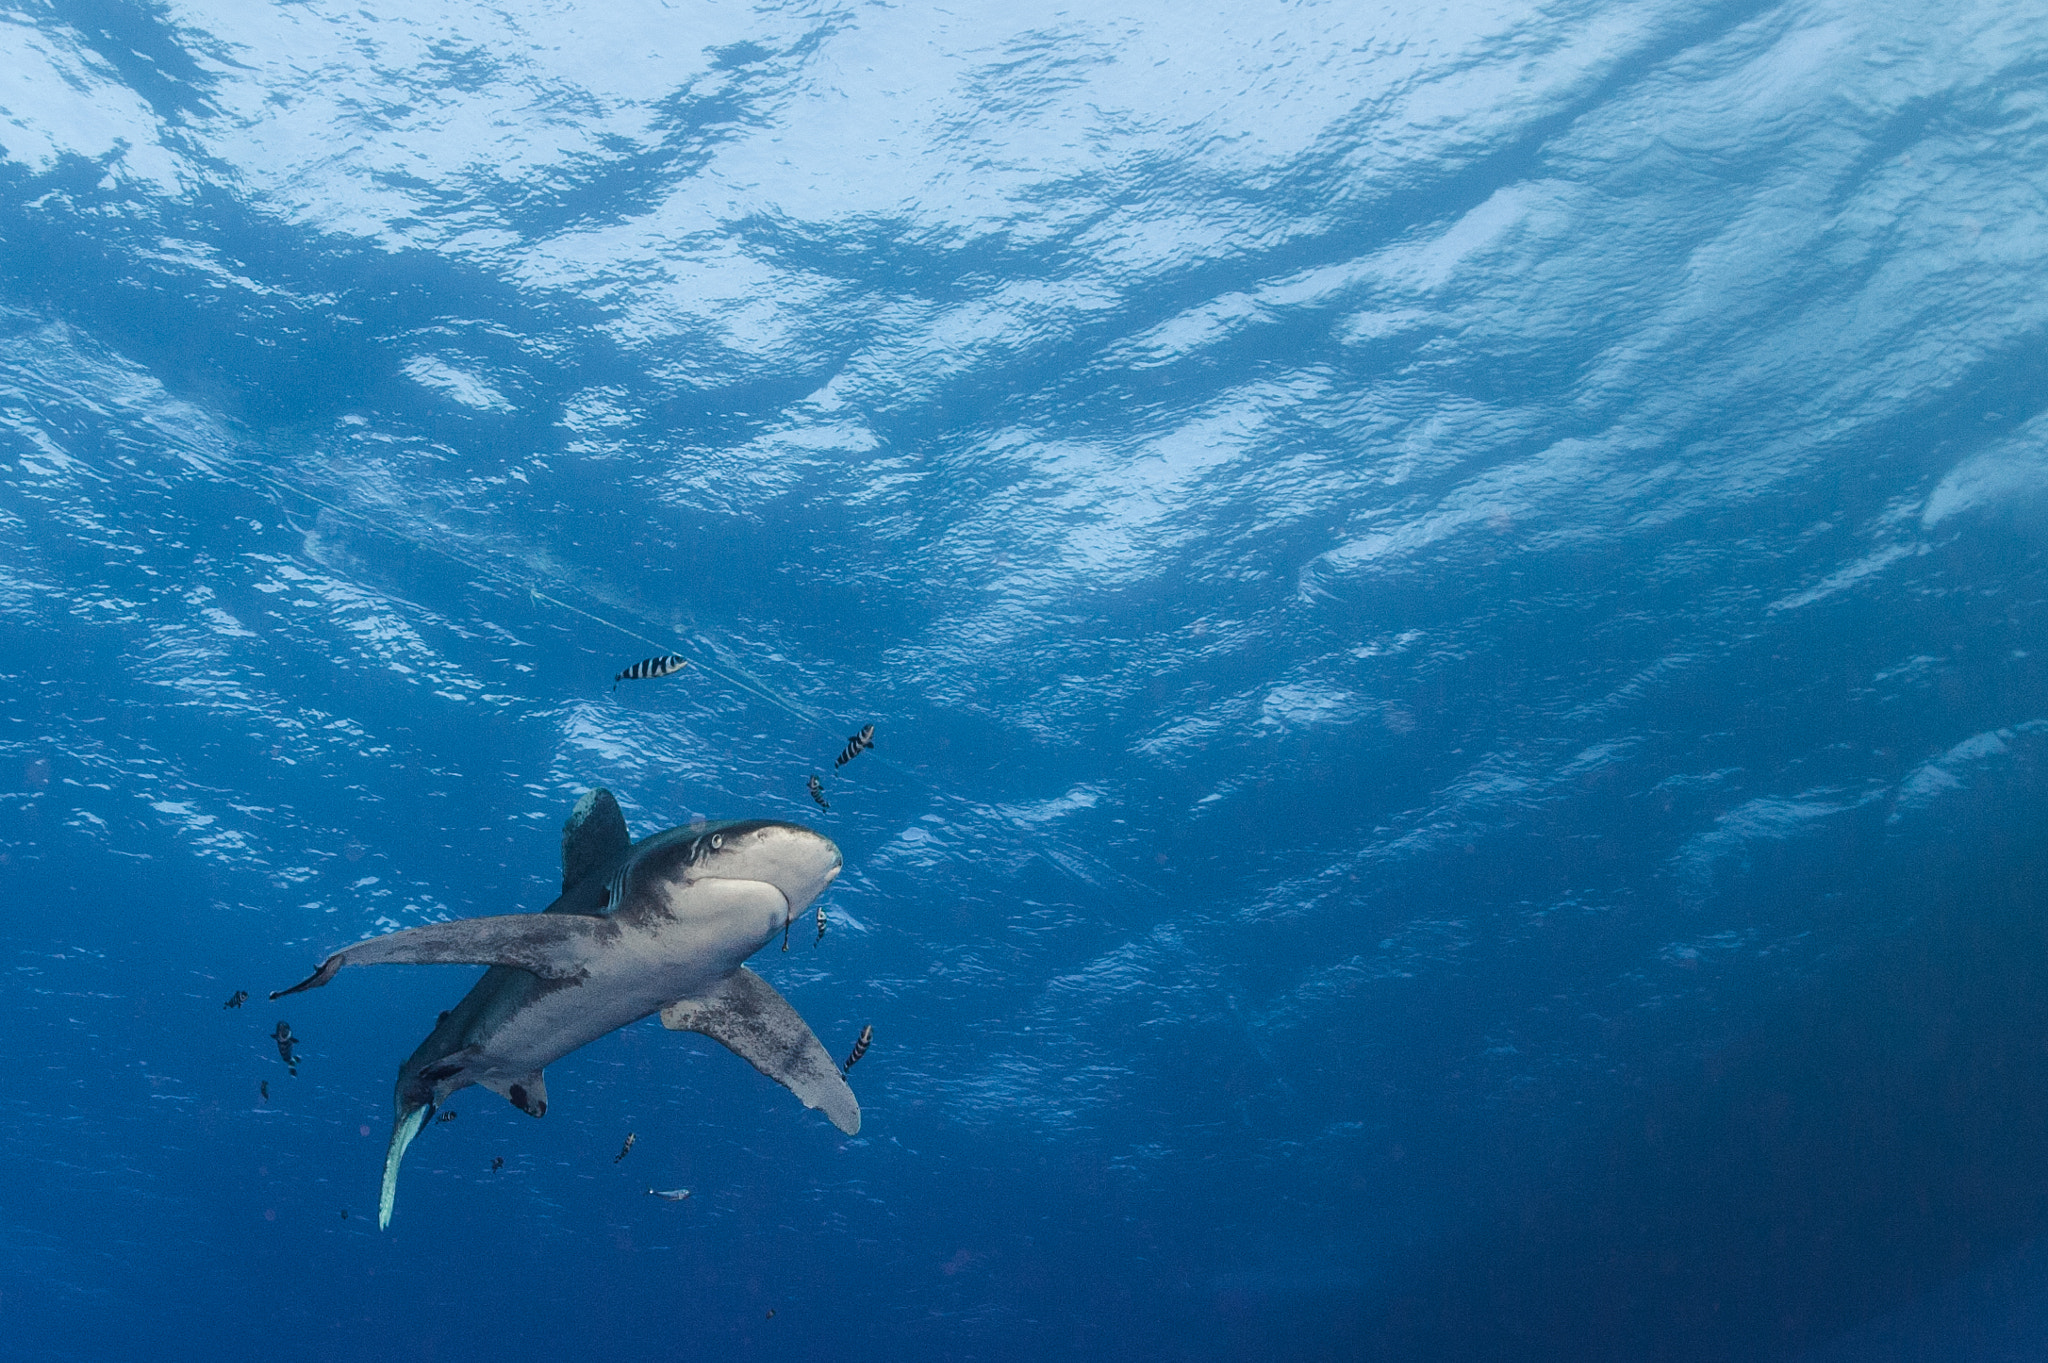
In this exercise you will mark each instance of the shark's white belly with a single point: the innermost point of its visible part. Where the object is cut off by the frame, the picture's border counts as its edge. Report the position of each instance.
(682, 946)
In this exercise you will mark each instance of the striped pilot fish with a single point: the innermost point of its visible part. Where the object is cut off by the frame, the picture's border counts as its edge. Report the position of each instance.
(286, 1044)
(651, 667)
(860, 1047)
(817, 788)
(857, 745)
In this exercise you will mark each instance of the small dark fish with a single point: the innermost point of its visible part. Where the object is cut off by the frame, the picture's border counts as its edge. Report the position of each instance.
(672, 1194)
(651, 667)
(860, 1047)
(857, 745)
(237, 999)
(285, 1042)
(264, 1090)
(497, 1163)
(627, 1148)
(771, 1314)
(785, 932)
(447, 1117)
(344, 1213)
(818, 792)
(821, 927)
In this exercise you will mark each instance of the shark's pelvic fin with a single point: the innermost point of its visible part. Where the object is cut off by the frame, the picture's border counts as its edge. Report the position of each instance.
(402, 1133)
(528, 1093)
(554, 946)
(594, 836)
(750, 1019)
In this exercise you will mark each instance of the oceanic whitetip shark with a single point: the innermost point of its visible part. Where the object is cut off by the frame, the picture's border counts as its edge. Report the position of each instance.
(662, 925)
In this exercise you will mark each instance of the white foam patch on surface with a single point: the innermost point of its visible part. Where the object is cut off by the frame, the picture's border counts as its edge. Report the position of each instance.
(2013, 471)
(60, 99)
(1766, 819)
(458, 385)
(1843, 579)
(1951, 772)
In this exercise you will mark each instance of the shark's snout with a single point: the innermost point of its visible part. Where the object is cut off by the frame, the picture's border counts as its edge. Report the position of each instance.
(795, 860)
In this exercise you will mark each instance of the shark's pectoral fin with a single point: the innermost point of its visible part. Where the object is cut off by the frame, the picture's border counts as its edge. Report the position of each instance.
(527, 1092)
(554, 946)
(750, 1019)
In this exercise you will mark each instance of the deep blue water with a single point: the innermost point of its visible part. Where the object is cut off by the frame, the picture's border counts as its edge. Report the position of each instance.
(1453, 601)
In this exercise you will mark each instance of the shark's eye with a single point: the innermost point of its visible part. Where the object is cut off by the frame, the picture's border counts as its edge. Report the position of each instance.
(717, 841)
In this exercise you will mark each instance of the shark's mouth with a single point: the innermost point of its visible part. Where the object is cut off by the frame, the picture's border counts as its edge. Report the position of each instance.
(750, 884)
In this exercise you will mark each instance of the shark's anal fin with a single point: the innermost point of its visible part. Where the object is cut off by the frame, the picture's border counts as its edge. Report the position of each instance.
(750, 1019)
(554, 946)
(594, 837)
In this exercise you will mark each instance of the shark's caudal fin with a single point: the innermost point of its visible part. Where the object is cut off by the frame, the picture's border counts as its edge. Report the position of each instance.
(757, 1024)
(594, 837)
(402, 1133)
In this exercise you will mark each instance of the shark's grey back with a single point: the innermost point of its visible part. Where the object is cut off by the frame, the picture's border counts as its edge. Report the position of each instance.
(594, 841)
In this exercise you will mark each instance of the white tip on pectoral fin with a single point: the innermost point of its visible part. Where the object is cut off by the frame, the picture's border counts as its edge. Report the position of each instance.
(402, 1133)
(750, 1019)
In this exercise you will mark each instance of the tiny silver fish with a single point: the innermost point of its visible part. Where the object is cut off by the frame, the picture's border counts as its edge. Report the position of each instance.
(651, 667)
(627, 1148)
(857, 745)
(860, 1047)
(672, 1194)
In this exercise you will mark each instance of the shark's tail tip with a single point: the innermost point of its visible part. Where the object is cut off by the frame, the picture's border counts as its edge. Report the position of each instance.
(402, 1133)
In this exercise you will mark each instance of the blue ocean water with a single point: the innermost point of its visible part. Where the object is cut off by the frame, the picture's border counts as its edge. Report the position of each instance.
(1452, 600)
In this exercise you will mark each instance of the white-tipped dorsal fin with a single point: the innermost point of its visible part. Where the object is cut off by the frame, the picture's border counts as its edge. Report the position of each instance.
(554, 946)
(755, 1023)
(594, 836)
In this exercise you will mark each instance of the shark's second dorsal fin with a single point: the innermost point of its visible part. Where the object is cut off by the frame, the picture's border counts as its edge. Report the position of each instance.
(758, 1025)
(594, 837)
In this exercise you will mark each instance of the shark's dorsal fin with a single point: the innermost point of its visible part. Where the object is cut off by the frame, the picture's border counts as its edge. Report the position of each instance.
(594, 836)
(755, 1023)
